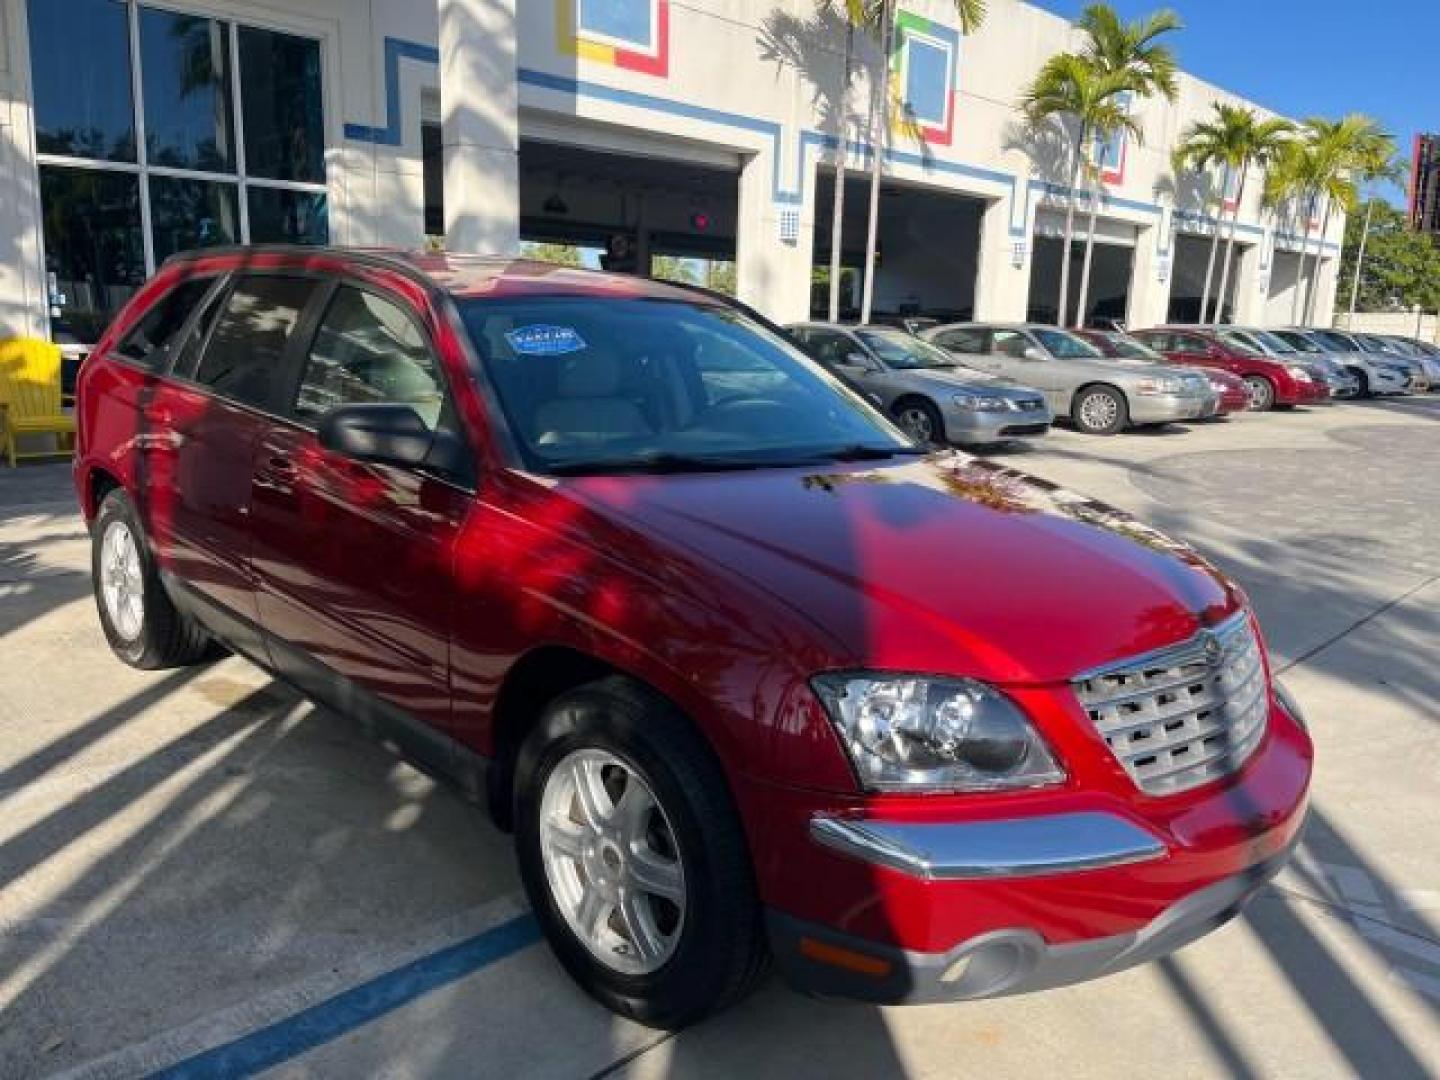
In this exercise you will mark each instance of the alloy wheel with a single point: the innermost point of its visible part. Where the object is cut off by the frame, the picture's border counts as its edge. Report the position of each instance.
(1098, 412)
(611, 861)
(917, 424)
(122, 581)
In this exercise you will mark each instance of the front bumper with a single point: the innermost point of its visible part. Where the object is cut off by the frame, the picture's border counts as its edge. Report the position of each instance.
(1002, 962)
(1168, 408)
(968, 427)
(972, 896)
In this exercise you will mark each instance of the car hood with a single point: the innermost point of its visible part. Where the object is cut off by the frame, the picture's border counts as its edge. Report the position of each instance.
(972, 382)
(945, 564)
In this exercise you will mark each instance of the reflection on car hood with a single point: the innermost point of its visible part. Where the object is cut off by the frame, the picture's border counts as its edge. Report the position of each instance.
(946, 564)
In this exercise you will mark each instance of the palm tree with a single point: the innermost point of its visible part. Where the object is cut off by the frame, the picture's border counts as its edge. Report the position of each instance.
(1071, 88)
(877, 17)
(1319, 169)
(1132, 49)
(1377, 162)
(1235, 139)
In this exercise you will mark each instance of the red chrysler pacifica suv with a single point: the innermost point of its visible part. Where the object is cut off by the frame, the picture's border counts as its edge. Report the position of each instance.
(749, 674)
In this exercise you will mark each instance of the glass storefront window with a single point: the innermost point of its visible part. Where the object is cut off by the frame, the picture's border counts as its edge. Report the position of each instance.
(193, 180)
(185, 69)
(280, 98)
(186, 214)
(282, 216)
(82, 109)
(94, 246)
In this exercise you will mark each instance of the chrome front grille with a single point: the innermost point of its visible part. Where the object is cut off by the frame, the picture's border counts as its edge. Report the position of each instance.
(1180, 717)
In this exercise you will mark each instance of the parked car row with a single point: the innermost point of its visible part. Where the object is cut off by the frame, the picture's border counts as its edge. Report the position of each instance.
(973, 383)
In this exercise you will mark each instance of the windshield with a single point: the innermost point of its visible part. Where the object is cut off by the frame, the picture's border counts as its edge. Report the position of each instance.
(1274, 342)
(904, 351)
(1131, 349)
(604, 385)
(1299, 342)
(1237, 342)
(1064, 346)
(1335, 340)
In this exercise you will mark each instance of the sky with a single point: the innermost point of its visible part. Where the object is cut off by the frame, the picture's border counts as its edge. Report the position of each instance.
(1312, 57)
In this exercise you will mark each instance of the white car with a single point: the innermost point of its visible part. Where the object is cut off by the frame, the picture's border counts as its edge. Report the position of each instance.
(1376, 375)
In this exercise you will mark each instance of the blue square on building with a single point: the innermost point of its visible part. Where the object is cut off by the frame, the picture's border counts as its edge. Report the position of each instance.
(626, 21)
(927, 80)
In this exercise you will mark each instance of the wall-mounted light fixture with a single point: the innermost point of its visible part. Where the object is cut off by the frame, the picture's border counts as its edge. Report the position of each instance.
(1017, 254)
(1162, 269)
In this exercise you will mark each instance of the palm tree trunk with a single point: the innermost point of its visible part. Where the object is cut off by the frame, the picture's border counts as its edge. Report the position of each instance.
(877, 157)
(1311, 289)
(837, 224)
(1229, 254)
(1360, 263)
(1209, 274)
(1300, 270)
(1084, 298)
(1062, 313)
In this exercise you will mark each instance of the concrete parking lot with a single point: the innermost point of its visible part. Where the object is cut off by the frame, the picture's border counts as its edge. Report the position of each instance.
(203, 873)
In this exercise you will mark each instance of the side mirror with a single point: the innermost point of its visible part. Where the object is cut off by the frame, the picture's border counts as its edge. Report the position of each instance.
(391, 435)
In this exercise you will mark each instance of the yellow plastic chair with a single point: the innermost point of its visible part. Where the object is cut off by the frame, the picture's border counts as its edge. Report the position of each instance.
(30, 398)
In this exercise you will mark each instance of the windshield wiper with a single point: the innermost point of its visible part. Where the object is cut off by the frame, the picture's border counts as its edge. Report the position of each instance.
(862, 452)
(656, 463)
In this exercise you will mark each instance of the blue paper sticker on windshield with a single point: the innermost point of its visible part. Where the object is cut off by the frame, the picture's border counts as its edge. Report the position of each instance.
(542, 340)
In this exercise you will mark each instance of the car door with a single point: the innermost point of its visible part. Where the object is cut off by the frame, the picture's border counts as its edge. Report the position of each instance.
(847, 358)
(203, 425)
(1020, 357)
(1194, 349)
(353, 560)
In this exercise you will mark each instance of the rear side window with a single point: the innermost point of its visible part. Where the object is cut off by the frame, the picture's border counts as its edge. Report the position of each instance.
(968, 341)
(369, 351)
(245, 358)
(151, 342)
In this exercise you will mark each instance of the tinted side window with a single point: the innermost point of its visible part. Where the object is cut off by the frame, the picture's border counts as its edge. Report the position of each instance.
(1191, 344)
(969, 341)
(152, 340)
(369, 351)
(831, 348)
(245, 357)
(1010, 343)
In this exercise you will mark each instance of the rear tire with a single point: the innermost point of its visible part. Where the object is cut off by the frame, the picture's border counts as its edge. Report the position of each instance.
(141, 623)
(1101, 410)
(633, 947)
(1364, 389)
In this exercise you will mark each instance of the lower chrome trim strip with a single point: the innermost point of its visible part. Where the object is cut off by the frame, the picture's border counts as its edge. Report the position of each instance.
(1010, 847)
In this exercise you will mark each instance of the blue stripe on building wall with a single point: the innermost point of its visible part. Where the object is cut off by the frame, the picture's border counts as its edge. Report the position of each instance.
(392, 134)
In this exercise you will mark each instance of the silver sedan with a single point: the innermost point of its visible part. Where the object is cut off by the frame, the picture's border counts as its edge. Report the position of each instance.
(1101, 395)
(926, 391)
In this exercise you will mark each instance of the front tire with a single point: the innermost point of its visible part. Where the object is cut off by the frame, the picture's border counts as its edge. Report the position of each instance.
(1262, 393)
(921, 421)
(141, 623)
(1101, 410)
(633, 857)
(1363, 391)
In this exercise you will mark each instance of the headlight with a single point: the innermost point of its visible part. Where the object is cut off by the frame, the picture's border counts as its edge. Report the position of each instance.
(916, 734)
(1299, 374)
(976, 403)
(1160, 386)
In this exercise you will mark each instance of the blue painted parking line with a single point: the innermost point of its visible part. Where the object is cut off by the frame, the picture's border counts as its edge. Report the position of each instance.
(356, 1007)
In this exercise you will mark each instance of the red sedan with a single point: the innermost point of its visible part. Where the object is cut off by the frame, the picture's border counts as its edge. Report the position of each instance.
(1270, 383)
(1231, 393)
(750, 673)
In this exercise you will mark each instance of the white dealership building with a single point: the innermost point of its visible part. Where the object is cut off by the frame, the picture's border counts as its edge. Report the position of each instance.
(703, 130)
